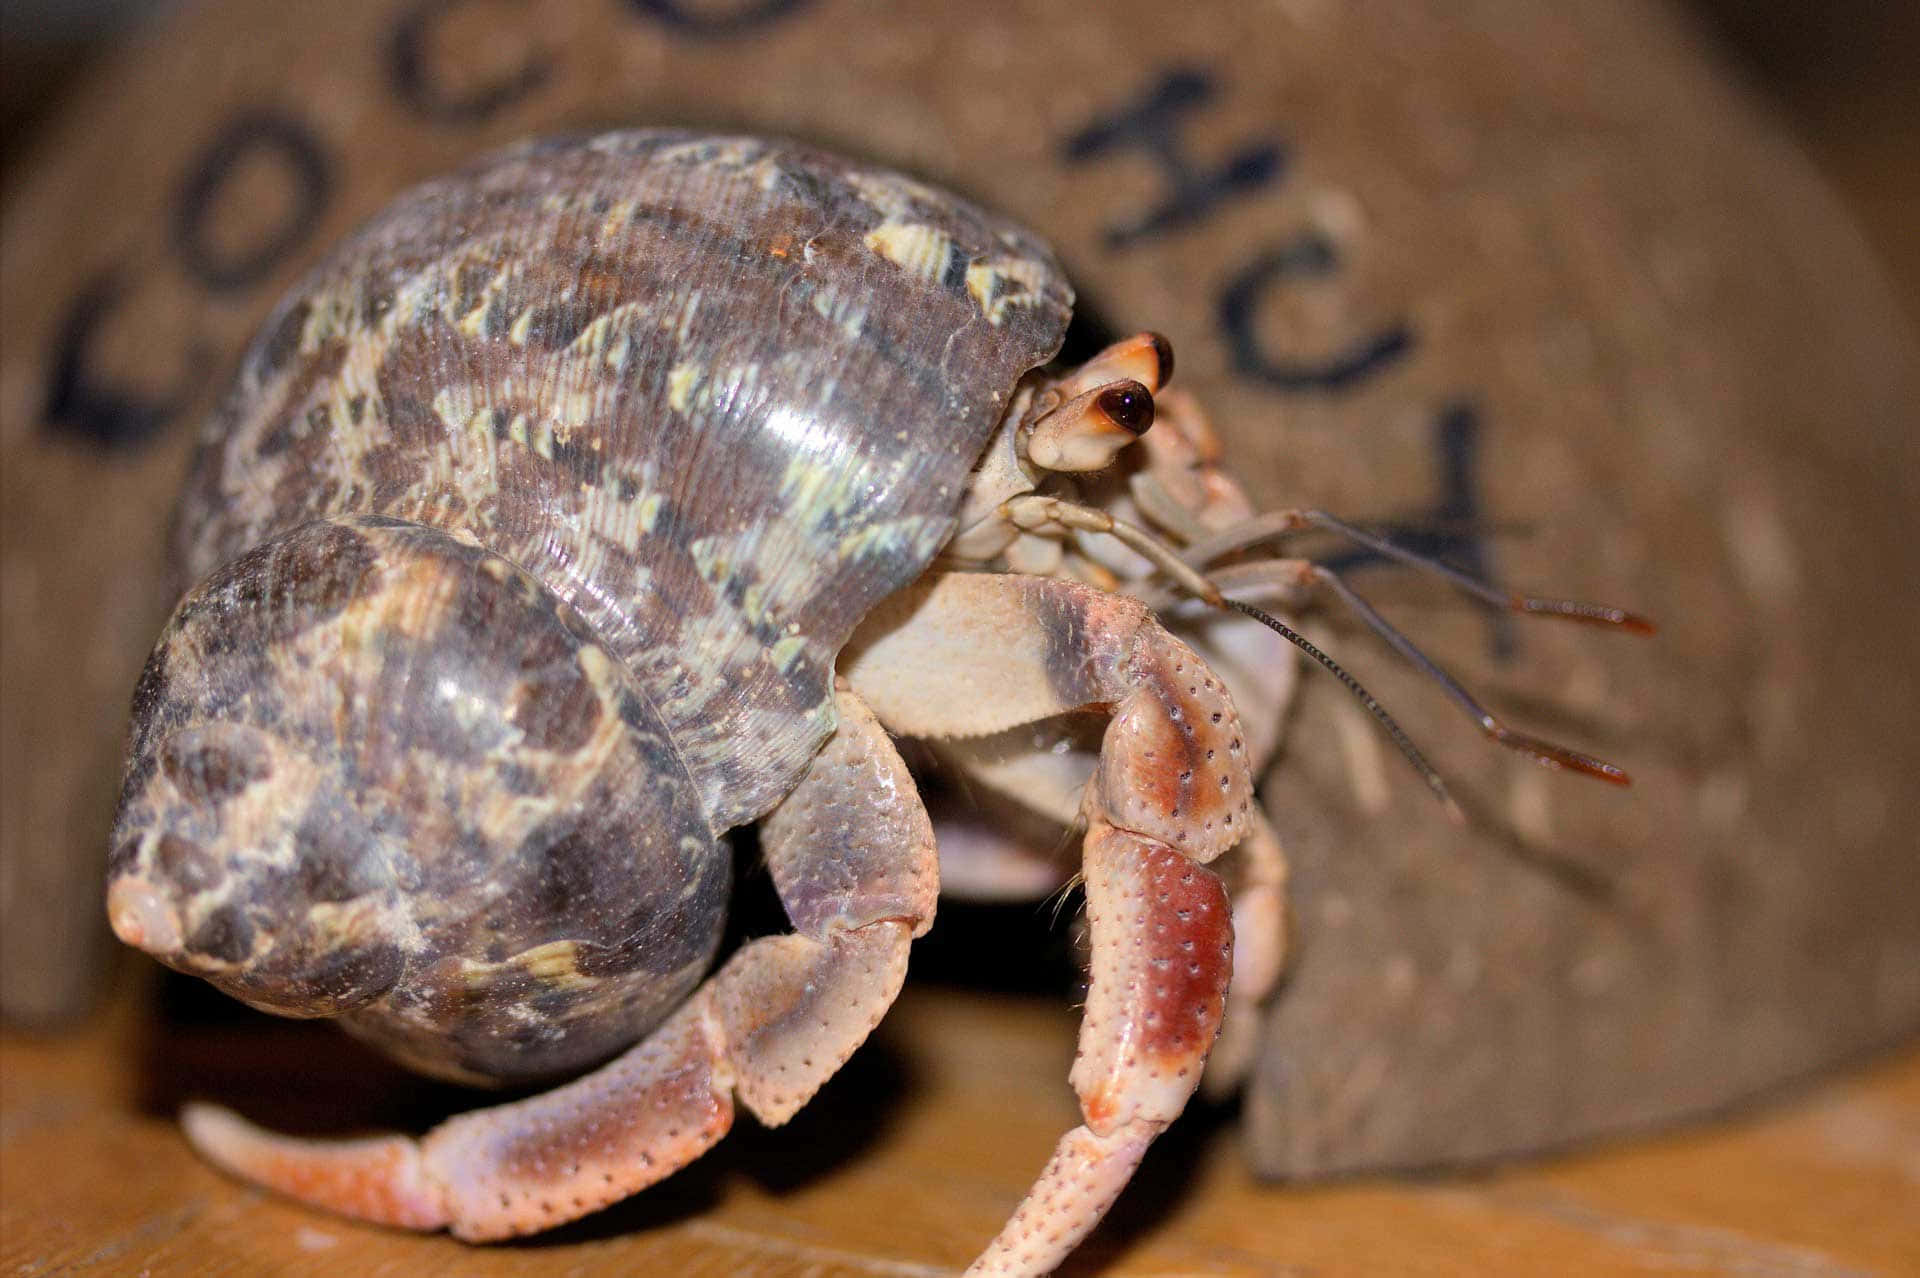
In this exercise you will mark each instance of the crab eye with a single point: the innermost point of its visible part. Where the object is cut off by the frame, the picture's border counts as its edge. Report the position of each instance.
(1084, 433)
(1128, 405)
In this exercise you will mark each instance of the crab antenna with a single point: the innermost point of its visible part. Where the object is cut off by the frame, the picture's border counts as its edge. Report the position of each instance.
(1372, 704)
(1035, 512)
(1543, 752)
(1279, 523)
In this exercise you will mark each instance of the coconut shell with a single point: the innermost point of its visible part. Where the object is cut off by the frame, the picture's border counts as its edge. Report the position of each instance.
(1537, 286)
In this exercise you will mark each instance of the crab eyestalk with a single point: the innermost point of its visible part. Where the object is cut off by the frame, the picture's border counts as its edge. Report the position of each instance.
(1101, 407)
(1089, 430)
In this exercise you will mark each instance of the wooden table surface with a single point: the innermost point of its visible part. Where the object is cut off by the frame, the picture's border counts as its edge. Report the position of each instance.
(911, 1158)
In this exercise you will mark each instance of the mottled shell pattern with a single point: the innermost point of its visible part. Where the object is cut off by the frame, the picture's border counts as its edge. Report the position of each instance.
(612, 443)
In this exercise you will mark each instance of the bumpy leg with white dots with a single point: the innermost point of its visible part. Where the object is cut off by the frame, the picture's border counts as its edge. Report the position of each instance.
(972, 653)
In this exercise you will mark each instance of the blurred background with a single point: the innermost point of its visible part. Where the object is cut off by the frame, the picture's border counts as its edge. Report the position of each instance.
(1845, 75)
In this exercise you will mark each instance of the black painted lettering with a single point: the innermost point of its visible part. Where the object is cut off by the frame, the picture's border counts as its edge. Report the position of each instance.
(416, 83)
(1453, 529)
(258, 136)
(1310, 256)
(1152, 123)
(82, 406)
(710, 19)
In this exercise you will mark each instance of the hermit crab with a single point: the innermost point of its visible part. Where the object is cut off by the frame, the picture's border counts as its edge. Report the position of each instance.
(622, 491)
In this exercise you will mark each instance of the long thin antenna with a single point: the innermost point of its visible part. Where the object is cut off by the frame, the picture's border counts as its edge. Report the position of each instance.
(1373, 707)
(1035, 512)
(1543, 752)
(1281, 523)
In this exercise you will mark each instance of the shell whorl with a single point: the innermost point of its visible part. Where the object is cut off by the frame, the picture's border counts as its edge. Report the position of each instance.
(381, 773)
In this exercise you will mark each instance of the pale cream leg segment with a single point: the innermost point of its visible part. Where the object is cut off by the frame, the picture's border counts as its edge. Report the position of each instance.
(973, 653)
(851, 851)
(1257, 883)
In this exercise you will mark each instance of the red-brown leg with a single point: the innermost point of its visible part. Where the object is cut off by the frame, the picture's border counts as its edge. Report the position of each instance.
(1162, 946)
(973, 653)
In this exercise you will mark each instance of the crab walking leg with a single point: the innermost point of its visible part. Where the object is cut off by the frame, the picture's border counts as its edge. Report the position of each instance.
(967, 653)
(1162, 949)
(851, 850)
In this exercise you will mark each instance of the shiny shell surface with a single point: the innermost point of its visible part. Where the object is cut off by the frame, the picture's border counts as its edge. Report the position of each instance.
(720, 395)
(380, 774)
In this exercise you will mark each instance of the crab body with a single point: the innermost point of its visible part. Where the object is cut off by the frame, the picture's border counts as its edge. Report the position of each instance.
(584, 506)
